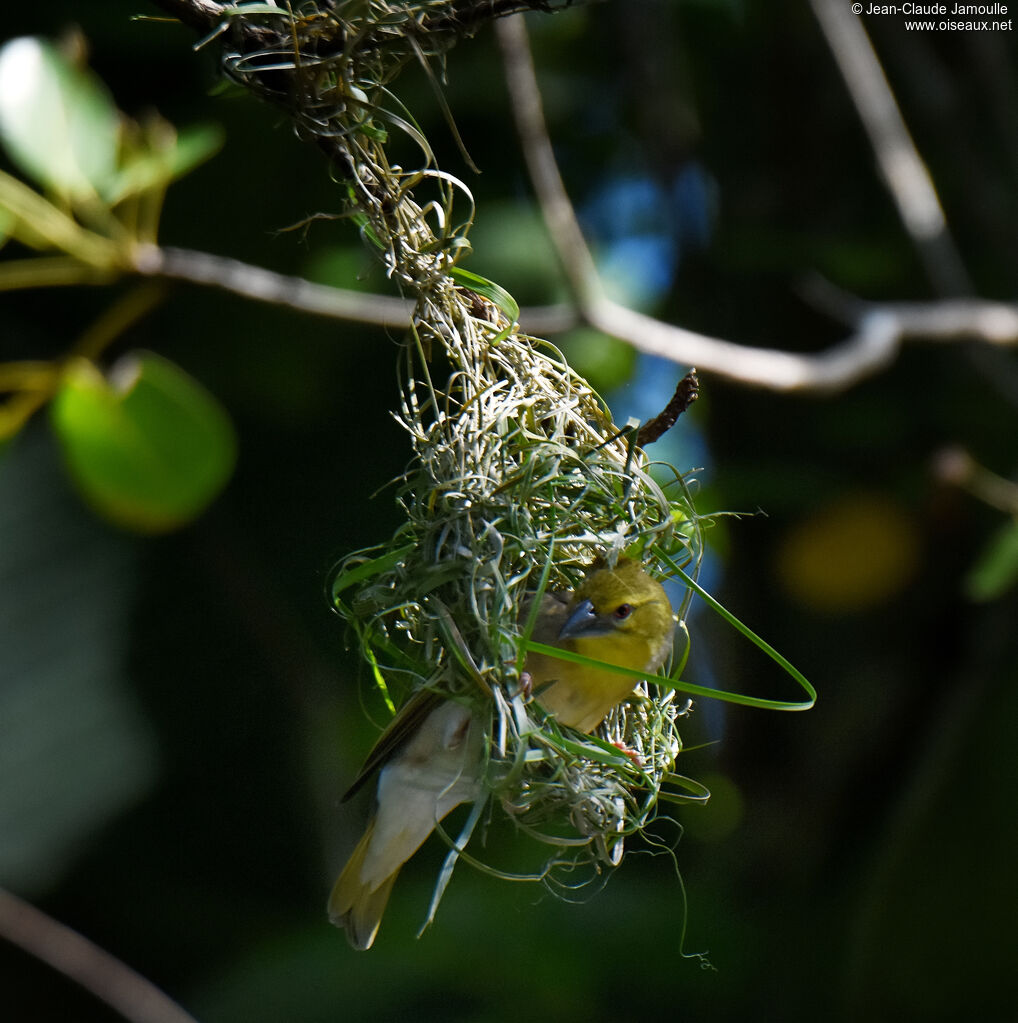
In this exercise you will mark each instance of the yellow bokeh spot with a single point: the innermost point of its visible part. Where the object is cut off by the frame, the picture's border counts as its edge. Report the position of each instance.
(853, 554)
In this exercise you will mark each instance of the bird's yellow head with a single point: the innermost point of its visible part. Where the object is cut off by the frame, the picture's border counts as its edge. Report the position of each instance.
(620, 610)
(617, 616)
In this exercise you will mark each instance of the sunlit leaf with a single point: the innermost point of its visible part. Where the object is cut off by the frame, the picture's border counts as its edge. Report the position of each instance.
(493, 292)
(57, 121)
(254, 7)
(164, 156)
(366, 569)
(148, 446)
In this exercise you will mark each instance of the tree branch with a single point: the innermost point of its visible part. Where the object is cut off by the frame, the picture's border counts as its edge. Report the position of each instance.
(200, 15)
(686, 392)
(904, 172)
(267, 286)
(878, 330)
(956, 466)
(70, 953)
(455, 19)
(261, 285)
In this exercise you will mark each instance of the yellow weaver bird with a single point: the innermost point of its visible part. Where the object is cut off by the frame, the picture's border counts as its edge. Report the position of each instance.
(430, 754)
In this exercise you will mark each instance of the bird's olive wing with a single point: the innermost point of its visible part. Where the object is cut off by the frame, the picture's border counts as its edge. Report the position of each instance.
(407, 721)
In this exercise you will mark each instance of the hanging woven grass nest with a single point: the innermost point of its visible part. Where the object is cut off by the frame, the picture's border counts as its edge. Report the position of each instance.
(519, 479)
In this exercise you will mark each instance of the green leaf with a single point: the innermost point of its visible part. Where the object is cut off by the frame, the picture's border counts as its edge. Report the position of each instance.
(493, 292)
(996, 570)
(149, 447)
(361, 570)
(57, 121)
(684, 790)
(373, 131)
(164, 156)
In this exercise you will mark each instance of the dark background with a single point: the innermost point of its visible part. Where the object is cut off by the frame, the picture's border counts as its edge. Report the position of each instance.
(180, 715)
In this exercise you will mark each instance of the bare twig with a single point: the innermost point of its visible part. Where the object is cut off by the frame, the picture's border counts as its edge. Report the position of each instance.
(261, 285)
(200, 15)
(70, 953)
(907, 179)
(878, 330)
(904, 172)
(204, 15)
(556, 208)
(451, 20)
(687, 391)
(879, 334)
(956, 466)
(267, 286)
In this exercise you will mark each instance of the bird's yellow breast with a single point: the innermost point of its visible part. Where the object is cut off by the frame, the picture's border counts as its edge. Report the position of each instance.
(620, 616)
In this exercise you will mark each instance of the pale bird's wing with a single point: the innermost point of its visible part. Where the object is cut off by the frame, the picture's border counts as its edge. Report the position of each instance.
(408, 720)
(436, 769)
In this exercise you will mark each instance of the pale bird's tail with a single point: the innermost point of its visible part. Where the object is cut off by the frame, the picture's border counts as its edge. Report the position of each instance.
(354, 905)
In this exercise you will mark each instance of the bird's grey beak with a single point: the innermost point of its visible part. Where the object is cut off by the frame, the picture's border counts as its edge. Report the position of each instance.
(579, 622)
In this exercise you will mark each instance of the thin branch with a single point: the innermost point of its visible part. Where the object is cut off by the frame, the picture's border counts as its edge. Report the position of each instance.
(906, 176)
(267, 286)
(878, 330)
(204, 15)
(687, 391)
(528, 112)
(200, 15)
(452, 20)
(956, 466)
(261, 285)
(904, 172)
(70, 953)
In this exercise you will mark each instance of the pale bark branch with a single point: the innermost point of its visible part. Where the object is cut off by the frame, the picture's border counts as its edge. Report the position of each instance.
(878, 330)
(260, 285)
(905, 174)
(70, 953)
(956, 466)
(263, 285)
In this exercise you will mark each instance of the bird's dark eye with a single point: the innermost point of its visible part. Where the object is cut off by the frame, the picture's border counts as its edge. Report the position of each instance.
(622, 612)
